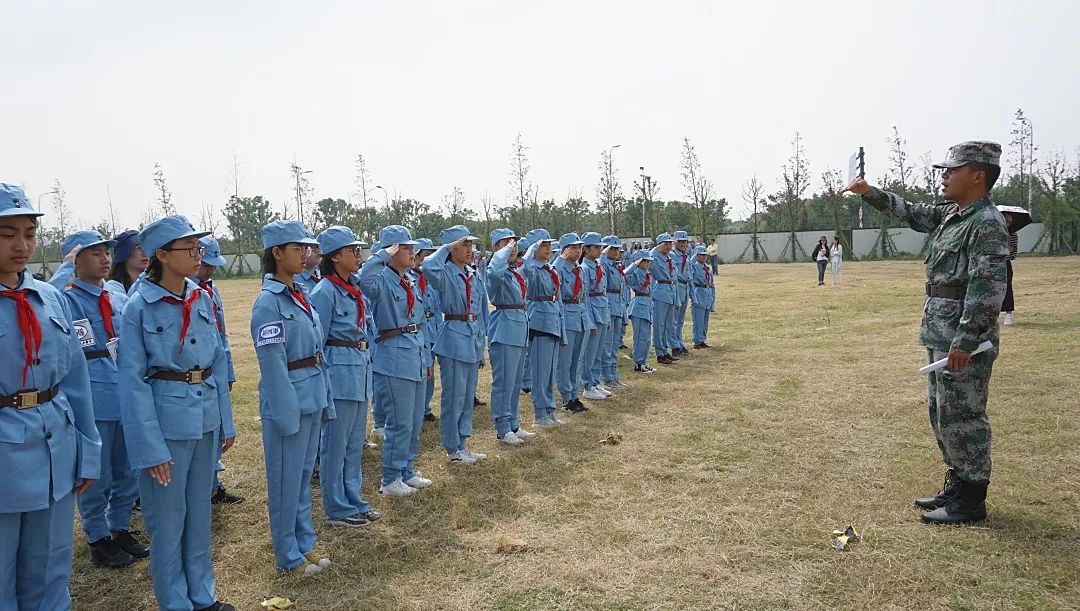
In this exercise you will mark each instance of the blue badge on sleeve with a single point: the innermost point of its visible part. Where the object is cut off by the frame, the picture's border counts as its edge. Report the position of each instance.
(270, 333)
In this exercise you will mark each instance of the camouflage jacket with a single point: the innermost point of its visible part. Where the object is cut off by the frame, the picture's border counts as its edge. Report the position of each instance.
(967, 248)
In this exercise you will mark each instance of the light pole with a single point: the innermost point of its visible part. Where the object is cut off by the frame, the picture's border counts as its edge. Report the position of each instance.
(386, 200)
(611, 186)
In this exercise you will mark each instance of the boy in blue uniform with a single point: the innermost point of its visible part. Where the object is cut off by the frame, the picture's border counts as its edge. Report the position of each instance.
(703, 294)
(294, 393)
(615, 283)
(212, 260)
(311, 274)
(664, 298)
(176, 413)
(597, 308)
(681, 257)
(545, 325)
(641, 283)
(577, 321)
(399, 373)
(51, 447)
(343, 315)
(460, 343)
(508, 331)
(432, 320)
(105, 509)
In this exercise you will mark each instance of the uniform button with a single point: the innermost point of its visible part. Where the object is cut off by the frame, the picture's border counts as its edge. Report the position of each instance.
(193, 340)
(159, 329)
(48, 435)
(199, 393)
(37, 361)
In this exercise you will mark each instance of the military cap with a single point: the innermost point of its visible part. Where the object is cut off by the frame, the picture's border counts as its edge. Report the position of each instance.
(972, 151)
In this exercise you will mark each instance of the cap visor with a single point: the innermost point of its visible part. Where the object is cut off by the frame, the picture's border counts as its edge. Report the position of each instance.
(20, 212)
(945, 165)
(215, 261)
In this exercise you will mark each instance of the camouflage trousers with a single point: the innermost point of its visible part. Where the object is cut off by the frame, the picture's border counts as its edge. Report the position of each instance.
(957, 401)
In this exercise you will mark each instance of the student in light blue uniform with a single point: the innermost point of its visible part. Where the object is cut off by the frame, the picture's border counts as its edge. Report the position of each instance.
(664, 297)
(211, 261)
(703, 294)
(479, 264)
(615, 284)
(398, 362)
(104, 509)
(51, 448)
(597, 307)
(577, 321)
(508, 333)
(432, 319)
(311, 274)
(641, 310)
(176, 412)
(294, 394)
(129, 263)
(680, 256)
(545, 325)
(343, 317)
(460, 343)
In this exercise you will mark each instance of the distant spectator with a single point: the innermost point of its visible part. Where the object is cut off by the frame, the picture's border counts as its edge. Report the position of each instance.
(836, 259)
(713, 259)
(821, 256)
(1007, 305)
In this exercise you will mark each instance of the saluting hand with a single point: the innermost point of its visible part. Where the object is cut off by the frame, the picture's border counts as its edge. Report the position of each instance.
(859, 186)
(70, 258)
(392, 249)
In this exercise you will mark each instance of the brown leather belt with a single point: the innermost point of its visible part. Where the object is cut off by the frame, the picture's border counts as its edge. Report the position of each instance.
(681, 281)
(26, 399)
(613, 292)
(385, 334)
(96, 354)
(511, 306)
(545, 298)
(647, 294)
(702, 286)
(340, 343)
(310, 361)
(572, 301)
(665, 281)
(461, 317)
(946, 292)
(195, 376)
(597, 294)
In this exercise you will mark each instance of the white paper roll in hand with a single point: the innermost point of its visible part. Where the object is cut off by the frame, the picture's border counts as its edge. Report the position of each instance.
(983, 347)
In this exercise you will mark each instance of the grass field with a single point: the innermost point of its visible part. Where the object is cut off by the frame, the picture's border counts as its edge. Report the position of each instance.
(735, 465)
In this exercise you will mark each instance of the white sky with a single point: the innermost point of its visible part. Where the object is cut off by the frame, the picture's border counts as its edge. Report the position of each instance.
(433, 93)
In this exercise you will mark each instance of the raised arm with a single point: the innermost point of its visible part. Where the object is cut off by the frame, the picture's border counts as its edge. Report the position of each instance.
(920, 217)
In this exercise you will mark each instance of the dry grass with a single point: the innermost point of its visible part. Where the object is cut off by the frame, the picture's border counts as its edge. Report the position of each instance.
(734, 467)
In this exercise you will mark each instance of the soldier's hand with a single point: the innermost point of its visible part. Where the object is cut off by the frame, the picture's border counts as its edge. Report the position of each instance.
(958, 360)
(227, 443)
(859, 186)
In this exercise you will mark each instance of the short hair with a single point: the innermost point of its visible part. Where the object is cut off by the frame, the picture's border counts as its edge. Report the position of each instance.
(269, 263)
(993, 172)
(326, 266)
(155, 269)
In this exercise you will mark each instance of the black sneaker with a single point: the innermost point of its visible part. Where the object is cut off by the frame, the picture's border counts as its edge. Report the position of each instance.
(355, 521)
(573, 407)
(372, 516)
(526, 390)
(218, 606)
(578, 406)
(222, 497)
(477, 402)
(107, 553)
(430, 418)
(130, 544)
(137, 508)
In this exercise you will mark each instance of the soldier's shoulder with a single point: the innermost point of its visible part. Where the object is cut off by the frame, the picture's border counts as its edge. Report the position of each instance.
(989, 217)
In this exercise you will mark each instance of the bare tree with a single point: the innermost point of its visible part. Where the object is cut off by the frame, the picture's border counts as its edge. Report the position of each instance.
(795, 180)
(609, 190)
(698, 188)
(164, 195)
(64, 220)
(751, 194)
(234, 177)
(520, 185)
(114, 227)
(209, 220)
(901, 168)
(487, 204)
(303, 191)
(455, 206)
(1023, 152)
(648, 187)
(1055, 173)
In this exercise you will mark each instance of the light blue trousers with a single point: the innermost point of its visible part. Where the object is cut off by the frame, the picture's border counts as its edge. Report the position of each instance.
(662, 323)
(678, 323)
(35, 557)
(456, 404)
(106, 505)
(340, 452)
(507, 369)
(590, 359)
(701, 324)
(543, 362)
(569, 365)
(290, 460)
(404, 401)
(642, 330)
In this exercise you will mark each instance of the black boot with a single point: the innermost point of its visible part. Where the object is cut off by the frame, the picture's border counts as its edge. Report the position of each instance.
(946, 494)
(969, 505)
(222, 496)
(130, 544)
(107, 553)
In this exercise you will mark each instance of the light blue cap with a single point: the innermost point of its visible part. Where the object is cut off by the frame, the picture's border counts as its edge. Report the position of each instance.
(681, 236)
(395, 234)
(423, 244)
(164, 230)
(502, 234)
(538, 235)
(286, 232)
(700, 250)
(643, 255)
(213, 251)
(337, 237)
(664, 237)
(84, 239)
(455, 233)
(613, 241)
(569, 239)
(13, 202)
(591, 238)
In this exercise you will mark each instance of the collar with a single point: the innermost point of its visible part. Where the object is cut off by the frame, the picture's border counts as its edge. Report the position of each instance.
(93, 289)
(152, 291)
(269, 284)
(977, 205)
(26, 282)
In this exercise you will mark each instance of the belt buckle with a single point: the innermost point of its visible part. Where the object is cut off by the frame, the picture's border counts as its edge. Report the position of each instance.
(361, 345)
(26, 399)
(472, 317)
(195, 376)
(318, 358)
(413, 328)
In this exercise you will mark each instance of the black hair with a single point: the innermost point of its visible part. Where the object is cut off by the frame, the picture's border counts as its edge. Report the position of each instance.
(155, 269)
(269, 263)
(993, 172)
(119, 273)
(326, 266)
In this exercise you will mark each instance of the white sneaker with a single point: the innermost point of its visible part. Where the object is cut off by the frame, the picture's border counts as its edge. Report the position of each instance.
(477, 456)
(616, 384)
(511, 439)
(314, 559)
(461, 458)
(396, 488)
(417, 481)
(378, 432)
(1008, 319)
(306, 569)
(593, 394)
(546, 422)
(604, 390)
(557, 421)
(523, 434)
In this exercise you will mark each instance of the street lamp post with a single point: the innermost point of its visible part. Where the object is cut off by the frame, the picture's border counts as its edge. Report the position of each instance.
(386, 200)
(644, 195)
(611, 187)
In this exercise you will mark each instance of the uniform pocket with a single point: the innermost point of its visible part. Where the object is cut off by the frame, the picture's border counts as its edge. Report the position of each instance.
(14, 432)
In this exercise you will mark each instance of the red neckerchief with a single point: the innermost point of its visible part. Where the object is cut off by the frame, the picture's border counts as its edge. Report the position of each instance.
(645, 284)
(468, 292)
(683, 265)
(298, 297)
(423, 284)
(599, 275)
(29, 325)
(410, 298)
(355, 292)
(520, 281)
(208, 286)
(577, 282)
(105, 307)
(554, 277)
(670, 267)
(186, 303)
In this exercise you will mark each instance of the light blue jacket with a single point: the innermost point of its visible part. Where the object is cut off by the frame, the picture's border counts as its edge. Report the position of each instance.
(458, 339)
(596, 290)
(544, 313)
(575, 315)
(348, 367)
(157, 410)
(400, 356)
(682, 263)
(663, 277)
(285, 332)
(420, 316)
(82, 298)
(307, 280)
(615, 287)
(66, 272)
(703, 286)
(510, 327)
(44, 450)
(219, 314)
(641, 306)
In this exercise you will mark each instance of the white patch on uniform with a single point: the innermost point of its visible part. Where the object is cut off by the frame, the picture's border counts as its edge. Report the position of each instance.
(270, 333)
(84, 332)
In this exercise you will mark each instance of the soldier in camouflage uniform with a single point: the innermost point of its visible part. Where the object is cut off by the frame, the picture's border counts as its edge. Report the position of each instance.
(965, 284)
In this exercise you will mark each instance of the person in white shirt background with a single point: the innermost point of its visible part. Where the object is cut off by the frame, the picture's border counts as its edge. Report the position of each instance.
(836, 260)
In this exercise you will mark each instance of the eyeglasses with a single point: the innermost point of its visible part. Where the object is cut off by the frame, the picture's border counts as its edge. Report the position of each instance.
(356, 250)
(196, 252)
(305, 249)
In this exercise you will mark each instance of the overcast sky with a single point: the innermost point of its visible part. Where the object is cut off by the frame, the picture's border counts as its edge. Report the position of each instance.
(433, 93)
